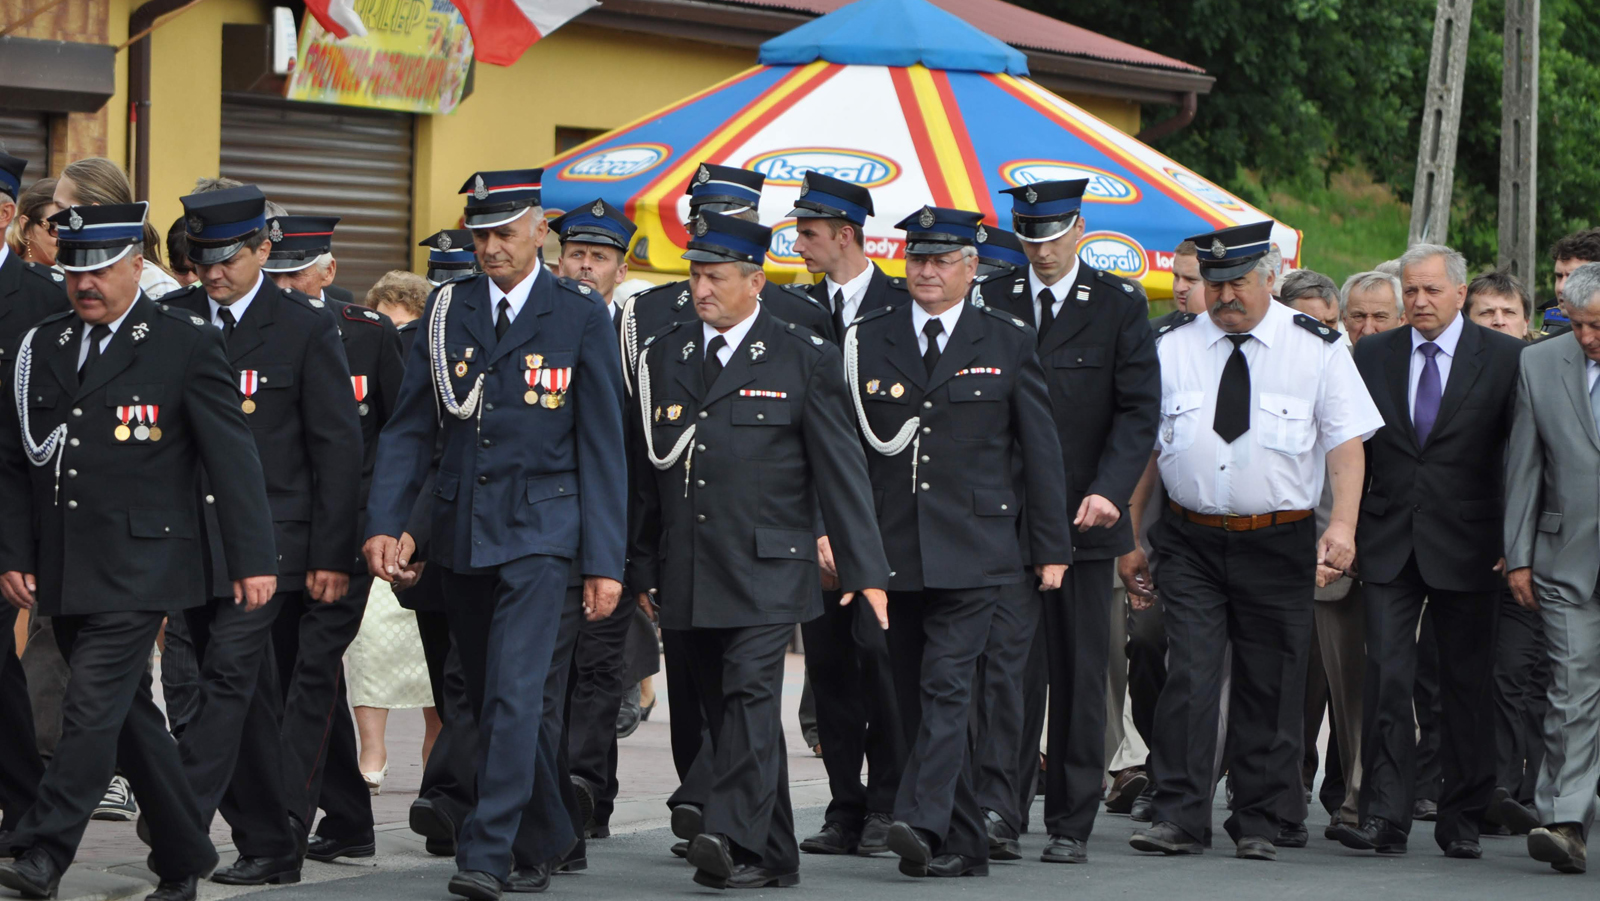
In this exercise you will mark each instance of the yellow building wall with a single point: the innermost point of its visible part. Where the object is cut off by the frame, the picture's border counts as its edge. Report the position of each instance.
(1122, 114)
(100, 133)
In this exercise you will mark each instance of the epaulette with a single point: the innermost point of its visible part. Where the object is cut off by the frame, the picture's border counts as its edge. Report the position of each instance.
(806, 336)
(183, 315)
(312, 303)
(1330, 335)
(46, 273)
(1117, 281)
(61, 315)
(661, 334)
(358, 313)
(897, 282)
(1178, 321)
(679, 303)
(800, 292)
(1007, 318)
(870, 315)
(572, 284)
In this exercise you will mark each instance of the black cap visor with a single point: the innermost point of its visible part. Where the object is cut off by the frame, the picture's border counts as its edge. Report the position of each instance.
(990, 268)
(582, 234)
(211, 254)
(805, 209)
(707, 253)
(496, 214)
(932, 244)
(717, 203)
(1229, 270)
(75, 257)
(1038, 230)
(293, 261)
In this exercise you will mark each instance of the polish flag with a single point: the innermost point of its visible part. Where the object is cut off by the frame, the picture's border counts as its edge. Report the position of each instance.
(338, 17)
(502, 30)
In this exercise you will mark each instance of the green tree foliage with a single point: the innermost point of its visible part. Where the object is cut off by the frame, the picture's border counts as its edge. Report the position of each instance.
(1308, 88)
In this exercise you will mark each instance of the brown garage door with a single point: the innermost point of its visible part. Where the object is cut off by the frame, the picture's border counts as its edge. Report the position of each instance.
(27, 134)
(330, 161)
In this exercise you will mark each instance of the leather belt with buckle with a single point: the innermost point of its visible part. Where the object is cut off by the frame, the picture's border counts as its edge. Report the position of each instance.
(1239, 523)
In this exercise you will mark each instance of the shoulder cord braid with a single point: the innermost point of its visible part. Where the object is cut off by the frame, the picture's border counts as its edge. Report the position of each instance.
(444, 393)
(55, 443)
(909, 432)
(685, 446)
(630, 342)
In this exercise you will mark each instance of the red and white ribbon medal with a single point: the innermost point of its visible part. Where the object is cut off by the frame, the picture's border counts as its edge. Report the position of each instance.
(122, 432)
(359, 383)
(153, 432)
(249, 382)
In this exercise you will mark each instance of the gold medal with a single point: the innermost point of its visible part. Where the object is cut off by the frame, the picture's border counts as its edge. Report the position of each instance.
(249, 406)
(872, 386)
(122, 433)
(532, 396)
(155, 433)
(674, 411)
(897, 390)
(658, 414)
(141, 432)
(461, 369)
(551, 400)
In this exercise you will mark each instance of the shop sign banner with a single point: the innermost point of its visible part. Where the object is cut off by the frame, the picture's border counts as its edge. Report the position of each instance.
(414, 58)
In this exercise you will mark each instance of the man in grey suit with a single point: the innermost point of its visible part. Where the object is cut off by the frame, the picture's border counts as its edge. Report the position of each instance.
(1552, 534)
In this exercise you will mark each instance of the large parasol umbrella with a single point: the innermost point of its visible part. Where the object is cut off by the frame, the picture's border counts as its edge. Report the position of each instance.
(910, 100)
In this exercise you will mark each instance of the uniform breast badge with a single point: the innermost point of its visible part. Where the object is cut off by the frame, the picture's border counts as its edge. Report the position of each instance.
(461, 369)
(674, 411)
(872, 386)
(249, 381)
(897, 390)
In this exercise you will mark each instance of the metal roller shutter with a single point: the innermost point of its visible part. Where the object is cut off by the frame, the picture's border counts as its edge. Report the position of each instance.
(27, 134)
(330, 161)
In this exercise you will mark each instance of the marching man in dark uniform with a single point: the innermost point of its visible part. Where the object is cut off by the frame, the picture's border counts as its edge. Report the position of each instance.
(295, 393)
(594, 253)
(121, 405)
(747, 433)
(847, 659)
(450, 256)
(956, 416)
(1099, 359)
(519, 370)
(1001, 256)
(321, 766)
(1257, 403)
(28, 293)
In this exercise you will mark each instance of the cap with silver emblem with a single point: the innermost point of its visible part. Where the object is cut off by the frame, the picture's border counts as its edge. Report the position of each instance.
(934, 229)
(1229, 253)
(217, 224)
(717, 238)
(1000, 252)
(723, 189)
(826, 197)
(94, 237)
(450, 254)
(496, 198)
(1046, 210)
(297, 241)
(596, 223)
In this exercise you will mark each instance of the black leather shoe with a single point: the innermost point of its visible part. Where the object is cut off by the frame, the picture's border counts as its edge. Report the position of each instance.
(259, 871)
(952, 865)
(1143, 807)
(1507, 811)
(686, 821)
(477, 885)
(875, 834)
(1331, 831)
(1165, 838)
(32, 875)
(913, 846)
(1125, 790)
(184, 889)
(302, 837)
(750, 876)
(1425, 810)
(711, 855)
(1292, 835)
(1254, 847)
(320, 847)
(433, 824)
(680, 849)
(1374, 834)
(529, 880)
(833, 839)
(1464, 849)
(1061, 849)
(1003, 842)
(586, 795)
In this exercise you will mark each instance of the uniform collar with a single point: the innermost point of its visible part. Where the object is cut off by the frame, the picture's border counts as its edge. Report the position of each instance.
(853, 289)
(734, 335)
(920, 317)
(1267, 331)
(1447, 340)
(518, 295)
(1059, 289)
(238, 307)
(5, 251)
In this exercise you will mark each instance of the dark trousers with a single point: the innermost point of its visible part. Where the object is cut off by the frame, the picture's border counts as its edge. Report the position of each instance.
(309, 639)
(506, 627)
(180, 673)
(1147, 667)
(740, 674)
(557, 690)
(687, 728)
(1521, 683)
(1425, 703)
(231, 747)
(47, 673)
(1002, 758)
(847, 663)
(20, 765)
(1253, 589)
(448, 777)
(1078, 628)
(1464, 626)
(1035, 706)
(595, 686)
(935, 638)
(110, 719)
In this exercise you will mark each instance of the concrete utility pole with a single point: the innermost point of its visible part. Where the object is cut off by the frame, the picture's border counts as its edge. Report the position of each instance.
(1441, 121)
(1519, 140)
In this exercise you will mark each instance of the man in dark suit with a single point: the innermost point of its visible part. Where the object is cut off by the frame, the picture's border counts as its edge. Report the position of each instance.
(295, 387)
(519, 372)
(121, 405)
(958, 386)
(746, 435)
(28, 293)
(1099, 359)
(321, 764)
(847, 660)
(1430, 530)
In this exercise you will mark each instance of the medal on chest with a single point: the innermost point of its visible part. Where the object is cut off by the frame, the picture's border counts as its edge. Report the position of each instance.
(555, 383)
(359, 383)
(249, 382)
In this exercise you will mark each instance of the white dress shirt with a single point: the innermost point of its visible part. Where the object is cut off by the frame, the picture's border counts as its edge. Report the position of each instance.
(1447, 341)
(920, 317)
(237, 308)
(83, 342)
(517, 296)
(1058, 290)
(855, 290)
(1306, 398)
(734, 335)
(1592, 370)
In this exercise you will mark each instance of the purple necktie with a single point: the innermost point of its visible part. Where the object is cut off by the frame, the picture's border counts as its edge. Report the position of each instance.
(1428, 391)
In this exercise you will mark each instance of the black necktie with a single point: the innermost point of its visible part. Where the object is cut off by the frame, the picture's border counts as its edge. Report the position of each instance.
(96, 335)
(226, 315)
(838, 314)
(1047, 312)
(1233, 394)
(502, 323)
(712, 367)
(933, 328)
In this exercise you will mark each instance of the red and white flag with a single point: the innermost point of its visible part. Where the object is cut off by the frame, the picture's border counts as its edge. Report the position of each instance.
(338, 17)
(502, 30)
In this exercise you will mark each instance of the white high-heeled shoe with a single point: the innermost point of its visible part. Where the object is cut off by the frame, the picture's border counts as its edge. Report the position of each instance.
(375, 780)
